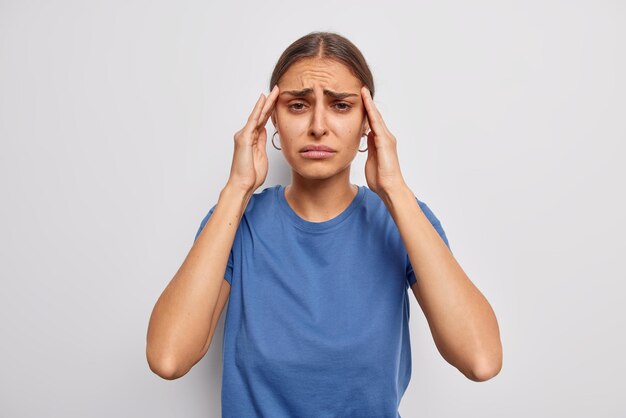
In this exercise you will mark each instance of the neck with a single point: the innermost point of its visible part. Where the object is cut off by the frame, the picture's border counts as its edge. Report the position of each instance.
(319, 200)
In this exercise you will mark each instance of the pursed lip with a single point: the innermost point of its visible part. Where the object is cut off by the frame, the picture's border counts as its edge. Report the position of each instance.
(317, 148)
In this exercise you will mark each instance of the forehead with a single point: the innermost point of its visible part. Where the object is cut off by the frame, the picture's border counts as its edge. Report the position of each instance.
(323, 72)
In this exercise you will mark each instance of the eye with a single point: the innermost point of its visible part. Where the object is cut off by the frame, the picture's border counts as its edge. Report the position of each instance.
(295, 106)
(343, 109)
(299, 106)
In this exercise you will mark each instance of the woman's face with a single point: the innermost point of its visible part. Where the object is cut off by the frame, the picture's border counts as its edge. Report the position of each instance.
(319, 104)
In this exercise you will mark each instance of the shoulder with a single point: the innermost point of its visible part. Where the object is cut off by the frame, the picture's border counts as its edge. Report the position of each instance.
(258, 202)
(374, 202)
(262, 199)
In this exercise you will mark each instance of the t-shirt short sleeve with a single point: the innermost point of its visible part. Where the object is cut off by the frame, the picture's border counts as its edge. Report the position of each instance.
(410, 275)
(228, 274)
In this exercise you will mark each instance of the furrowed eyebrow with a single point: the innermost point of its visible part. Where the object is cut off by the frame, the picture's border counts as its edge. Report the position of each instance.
(308, 91)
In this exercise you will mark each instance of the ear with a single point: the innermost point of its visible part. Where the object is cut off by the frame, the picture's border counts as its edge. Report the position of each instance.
(273, 117)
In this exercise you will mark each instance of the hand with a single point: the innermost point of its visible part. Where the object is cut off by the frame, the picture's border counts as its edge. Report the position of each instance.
(249, 165)
(382, 168)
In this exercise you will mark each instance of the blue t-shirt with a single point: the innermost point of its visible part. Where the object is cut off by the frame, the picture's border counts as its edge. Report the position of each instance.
(317, 321)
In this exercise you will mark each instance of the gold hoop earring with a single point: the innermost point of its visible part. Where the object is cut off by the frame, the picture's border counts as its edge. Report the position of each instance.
(273, 141)
(363, 150)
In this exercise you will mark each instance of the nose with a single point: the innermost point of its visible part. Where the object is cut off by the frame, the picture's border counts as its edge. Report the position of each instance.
(318, 126)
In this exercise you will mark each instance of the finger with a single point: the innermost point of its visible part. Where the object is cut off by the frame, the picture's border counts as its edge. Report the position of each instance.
(253, 119)
(367, 103)
(375, 118)
(269, 106)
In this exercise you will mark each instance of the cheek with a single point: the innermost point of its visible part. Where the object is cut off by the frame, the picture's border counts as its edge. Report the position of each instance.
(349, 130)
(290, 125)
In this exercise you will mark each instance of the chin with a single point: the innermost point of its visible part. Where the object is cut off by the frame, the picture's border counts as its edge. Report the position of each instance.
(319, 171)
(315, 174)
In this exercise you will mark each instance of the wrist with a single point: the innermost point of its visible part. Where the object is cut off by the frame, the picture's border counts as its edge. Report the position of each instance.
(391, 196)
(236, 191)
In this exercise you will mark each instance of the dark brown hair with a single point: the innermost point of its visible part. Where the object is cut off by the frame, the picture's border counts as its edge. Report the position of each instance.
(325, 45)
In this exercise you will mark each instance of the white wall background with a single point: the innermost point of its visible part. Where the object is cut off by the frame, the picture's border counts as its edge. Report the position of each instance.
(116, 126)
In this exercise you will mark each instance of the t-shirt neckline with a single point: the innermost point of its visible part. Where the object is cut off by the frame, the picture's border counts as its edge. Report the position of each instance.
(301, 223)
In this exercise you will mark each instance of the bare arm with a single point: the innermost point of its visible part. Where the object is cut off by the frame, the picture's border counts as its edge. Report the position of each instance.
(184, 317)
(462, 322)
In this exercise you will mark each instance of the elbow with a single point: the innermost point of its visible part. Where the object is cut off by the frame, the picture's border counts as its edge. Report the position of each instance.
(487, 361)
(485, 369)
(165, 368)
(482, 374)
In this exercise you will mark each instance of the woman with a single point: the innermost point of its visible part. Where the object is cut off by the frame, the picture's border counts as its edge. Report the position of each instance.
(316, 273)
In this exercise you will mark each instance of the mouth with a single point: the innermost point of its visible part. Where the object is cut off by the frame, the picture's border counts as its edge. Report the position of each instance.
(316, 148)
(317, 155)
(317, 152)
